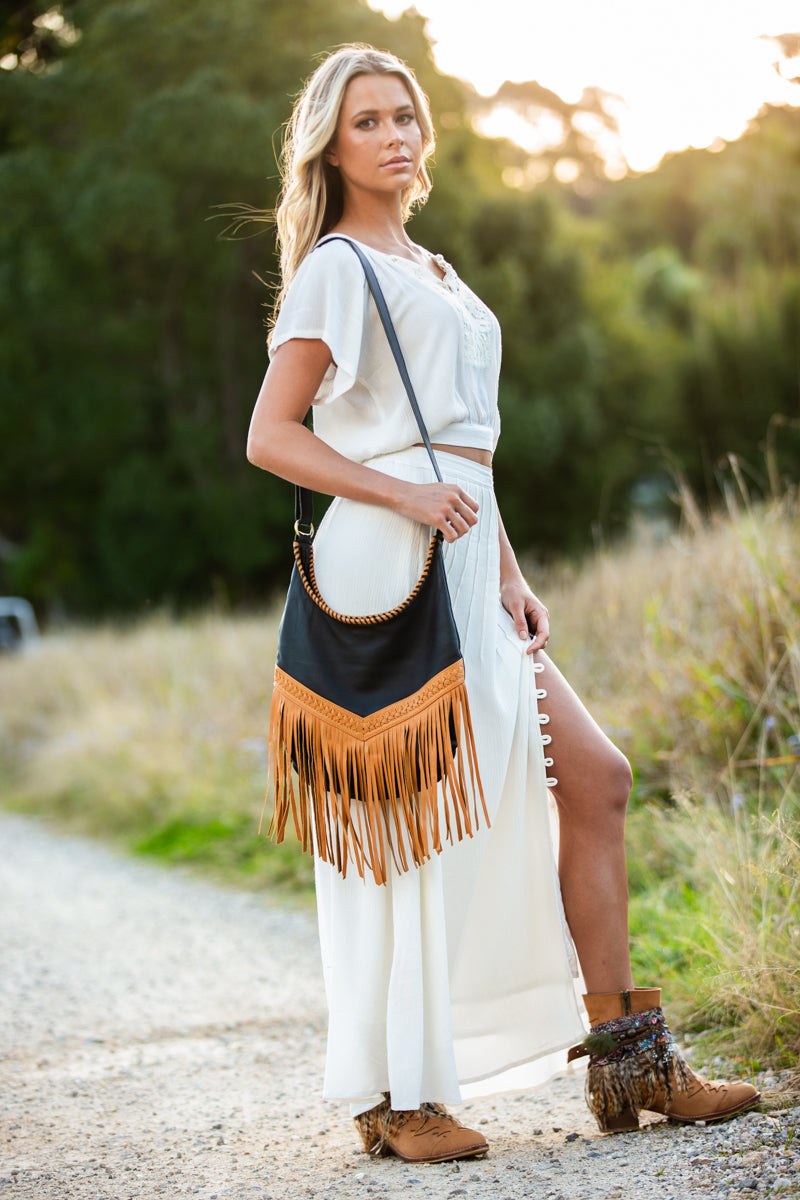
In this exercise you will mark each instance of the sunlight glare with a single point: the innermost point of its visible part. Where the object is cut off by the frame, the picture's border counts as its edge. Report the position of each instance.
(690, 71)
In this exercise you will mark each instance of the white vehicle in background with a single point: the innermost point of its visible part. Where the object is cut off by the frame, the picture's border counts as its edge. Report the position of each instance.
(18, 627)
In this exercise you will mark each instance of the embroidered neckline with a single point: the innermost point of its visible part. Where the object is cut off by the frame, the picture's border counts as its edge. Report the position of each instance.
(449, 279)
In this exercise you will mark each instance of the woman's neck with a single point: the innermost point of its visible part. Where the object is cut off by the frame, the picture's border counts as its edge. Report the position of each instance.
(381, 228)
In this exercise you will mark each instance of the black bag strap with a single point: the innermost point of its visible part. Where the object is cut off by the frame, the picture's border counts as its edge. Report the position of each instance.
(304, 497)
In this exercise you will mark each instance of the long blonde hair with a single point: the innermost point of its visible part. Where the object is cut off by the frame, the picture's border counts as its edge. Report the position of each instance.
(311, 197)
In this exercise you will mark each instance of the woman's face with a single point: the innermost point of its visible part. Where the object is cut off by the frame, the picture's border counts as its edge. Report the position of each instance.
(378, 144)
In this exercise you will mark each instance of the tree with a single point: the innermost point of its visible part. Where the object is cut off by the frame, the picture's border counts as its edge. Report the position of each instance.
(663, 311)
(132, 342)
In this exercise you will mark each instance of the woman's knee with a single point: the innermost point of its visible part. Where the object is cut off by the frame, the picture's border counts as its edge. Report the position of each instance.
(601, 794)
(619, 782)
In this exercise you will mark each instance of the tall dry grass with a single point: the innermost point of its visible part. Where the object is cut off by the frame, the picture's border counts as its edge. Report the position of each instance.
(688, 653)
(152, 734)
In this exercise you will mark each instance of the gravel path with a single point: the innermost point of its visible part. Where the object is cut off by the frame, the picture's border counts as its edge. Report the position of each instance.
(164, 1037)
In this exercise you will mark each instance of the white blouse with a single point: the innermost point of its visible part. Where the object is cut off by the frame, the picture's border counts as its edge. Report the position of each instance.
(450, 341)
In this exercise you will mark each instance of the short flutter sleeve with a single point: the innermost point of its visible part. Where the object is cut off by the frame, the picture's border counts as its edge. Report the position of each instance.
(327, 299)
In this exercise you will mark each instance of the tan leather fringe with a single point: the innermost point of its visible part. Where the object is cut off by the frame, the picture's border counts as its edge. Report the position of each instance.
(358, 789)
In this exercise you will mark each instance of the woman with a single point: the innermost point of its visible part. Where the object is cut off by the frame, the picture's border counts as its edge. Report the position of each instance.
(461, 968)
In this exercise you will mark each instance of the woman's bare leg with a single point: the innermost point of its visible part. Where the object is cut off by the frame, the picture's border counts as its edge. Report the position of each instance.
(594, 782)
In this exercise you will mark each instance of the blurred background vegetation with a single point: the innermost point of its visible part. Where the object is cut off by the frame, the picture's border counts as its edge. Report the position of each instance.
(650, 323)
(651, 348)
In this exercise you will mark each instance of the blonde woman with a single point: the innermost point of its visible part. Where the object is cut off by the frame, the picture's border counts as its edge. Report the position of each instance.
(455, 971)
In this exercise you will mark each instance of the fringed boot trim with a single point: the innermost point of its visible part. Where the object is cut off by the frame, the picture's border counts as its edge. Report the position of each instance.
(375, 1125)
(633, 1060)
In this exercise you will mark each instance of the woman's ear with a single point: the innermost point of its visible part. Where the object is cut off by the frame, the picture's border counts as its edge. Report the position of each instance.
(331, 157)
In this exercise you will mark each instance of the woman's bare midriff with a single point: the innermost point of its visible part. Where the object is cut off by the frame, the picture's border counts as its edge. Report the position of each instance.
(484, 457)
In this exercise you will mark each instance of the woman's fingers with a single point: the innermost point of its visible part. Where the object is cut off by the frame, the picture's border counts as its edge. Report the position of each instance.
(444, 506)
(539, 625)
(458, 518)
(468, 500)
(531, 618)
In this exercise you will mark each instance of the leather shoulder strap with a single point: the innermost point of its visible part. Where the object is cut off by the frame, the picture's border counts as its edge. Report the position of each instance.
(304, 499)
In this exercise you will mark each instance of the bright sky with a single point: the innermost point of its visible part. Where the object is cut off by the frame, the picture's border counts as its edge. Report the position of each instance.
(689, 71)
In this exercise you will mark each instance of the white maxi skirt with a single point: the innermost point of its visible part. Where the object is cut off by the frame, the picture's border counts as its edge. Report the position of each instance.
(456, 971)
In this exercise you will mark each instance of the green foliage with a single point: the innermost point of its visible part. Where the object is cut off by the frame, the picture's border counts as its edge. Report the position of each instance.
(653, 323)
(715, 239)
(132, 341)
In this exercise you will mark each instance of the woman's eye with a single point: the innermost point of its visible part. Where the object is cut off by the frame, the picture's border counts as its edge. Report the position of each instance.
(367, 123)
(405, 118)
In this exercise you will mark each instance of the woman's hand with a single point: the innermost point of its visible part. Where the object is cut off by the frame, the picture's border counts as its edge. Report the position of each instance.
(279, 442)
(530, 616)
(445, 506)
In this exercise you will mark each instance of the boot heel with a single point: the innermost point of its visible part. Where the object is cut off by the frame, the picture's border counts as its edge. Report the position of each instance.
(625, 1122)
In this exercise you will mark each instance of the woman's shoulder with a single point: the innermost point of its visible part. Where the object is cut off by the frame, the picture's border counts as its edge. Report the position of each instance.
(325, 298)
(330, 268)
(332, 253)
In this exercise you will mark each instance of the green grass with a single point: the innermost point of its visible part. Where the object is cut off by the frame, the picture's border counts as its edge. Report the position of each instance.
(688, 653)
(152, 736)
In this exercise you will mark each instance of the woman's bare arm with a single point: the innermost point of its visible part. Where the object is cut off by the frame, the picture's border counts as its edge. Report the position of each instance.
(279, 442)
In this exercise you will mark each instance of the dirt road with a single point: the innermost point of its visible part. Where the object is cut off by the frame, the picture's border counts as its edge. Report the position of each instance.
(165, 1037)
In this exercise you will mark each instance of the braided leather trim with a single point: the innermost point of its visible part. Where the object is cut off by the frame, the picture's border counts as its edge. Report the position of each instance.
(310, 584)
(364, 728)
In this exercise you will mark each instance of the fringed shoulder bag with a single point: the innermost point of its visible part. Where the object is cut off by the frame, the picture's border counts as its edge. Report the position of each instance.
(370, 738)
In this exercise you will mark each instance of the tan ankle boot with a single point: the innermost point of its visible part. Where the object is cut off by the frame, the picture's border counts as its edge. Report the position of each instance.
(634, 1064)
(426, 1134)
